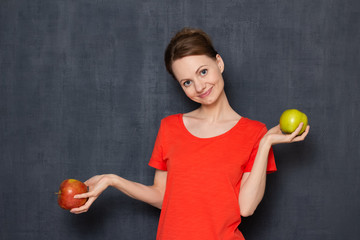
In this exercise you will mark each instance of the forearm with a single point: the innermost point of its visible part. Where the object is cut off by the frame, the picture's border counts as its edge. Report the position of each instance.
(253, 185)
(148, 194)
(253, 188)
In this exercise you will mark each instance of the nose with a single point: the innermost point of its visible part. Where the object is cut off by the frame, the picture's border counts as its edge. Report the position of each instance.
(199, 85)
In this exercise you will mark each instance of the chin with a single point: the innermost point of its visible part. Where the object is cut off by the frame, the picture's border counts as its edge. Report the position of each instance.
(207, 102)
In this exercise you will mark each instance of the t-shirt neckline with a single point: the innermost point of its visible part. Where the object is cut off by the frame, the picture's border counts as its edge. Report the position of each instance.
(181, 120)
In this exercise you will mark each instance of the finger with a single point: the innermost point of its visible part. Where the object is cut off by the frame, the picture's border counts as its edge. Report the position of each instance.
(78, 210)
(298, 129)
(90, 180)
(87, 182)
(93, 180)
(84, 195)
(303, 135)
(83, 208)
(294, 134)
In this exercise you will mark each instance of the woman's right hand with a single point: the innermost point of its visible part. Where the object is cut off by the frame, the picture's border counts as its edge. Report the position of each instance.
(97, 185)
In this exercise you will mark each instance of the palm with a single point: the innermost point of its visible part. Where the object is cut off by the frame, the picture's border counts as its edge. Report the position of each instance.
(276, 136)
(96, 186)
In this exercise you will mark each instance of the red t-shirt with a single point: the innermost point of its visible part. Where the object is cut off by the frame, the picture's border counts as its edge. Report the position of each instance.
(204, 176)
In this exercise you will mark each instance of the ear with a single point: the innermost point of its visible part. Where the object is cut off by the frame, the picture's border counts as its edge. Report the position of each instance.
(220, 63)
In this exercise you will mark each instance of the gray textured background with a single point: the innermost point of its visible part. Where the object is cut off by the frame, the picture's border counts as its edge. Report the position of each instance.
(83, 88)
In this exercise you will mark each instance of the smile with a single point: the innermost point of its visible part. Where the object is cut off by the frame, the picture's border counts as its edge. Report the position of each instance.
(205, 94)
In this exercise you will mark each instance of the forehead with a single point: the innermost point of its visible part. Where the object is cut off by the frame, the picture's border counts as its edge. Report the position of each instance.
(190, 64)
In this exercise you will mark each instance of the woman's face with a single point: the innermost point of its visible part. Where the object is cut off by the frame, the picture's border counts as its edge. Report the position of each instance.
(200, 77)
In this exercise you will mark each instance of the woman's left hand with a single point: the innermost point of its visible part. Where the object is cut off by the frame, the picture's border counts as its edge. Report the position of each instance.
(276, 136)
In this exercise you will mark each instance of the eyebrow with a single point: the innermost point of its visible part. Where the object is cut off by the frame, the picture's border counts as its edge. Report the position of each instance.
(200, 68)
(197, 70)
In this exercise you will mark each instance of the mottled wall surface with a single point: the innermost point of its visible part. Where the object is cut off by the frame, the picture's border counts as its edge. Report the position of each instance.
(83, 88)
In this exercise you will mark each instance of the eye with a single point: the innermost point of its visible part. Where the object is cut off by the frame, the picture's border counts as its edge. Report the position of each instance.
(203, 72)
(187, 83)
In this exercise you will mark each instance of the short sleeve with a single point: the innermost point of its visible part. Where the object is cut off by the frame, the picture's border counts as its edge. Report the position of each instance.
(271, 166)
(157, 160)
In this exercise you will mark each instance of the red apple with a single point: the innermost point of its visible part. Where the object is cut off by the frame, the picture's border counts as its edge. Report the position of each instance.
(68, 189)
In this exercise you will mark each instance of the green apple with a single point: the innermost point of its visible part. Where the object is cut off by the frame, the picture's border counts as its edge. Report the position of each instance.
(290, 120)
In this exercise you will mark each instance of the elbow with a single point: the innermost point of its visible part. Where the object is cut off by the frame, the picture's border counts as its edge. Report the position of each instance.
(158, 197)
(156, 204)
(246, 212)
(248, 206)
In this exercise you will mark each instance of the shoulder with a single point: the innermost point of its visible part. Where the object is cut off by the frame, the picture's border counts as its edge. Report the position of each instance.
(170, 126)
(254, 126)
(171, 120)
(254, 123)
(251, 130)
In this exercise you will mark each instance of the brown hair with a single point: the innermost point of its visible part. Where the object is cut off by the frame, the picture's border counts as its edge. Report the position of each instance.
(187, 42)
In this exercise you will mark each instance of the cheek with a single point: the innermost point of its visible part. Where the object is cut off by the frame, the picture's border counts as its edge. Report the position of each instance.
(217, 80)
(189, 92)
(220, 78)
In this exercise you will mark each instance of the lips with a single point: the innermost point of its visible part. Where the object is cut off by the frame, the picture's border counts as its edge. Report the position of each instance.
(205, 94)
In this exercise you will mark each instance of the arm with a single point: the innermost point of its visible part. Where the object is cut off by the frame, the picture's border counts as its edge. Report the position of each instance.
(152, 195)
(253, 183)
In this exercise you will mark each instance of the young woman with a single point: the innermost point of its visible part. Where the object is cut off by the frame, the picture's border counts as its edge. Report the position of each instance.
(211, 163)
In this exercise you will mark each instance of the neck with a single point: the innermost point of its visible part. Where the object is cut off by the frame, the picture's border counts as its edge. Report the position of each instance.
(219, 110)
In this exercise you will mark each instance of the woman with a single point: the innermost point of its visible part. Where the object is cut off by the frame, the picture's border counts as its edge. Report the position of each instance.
(211, 163)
